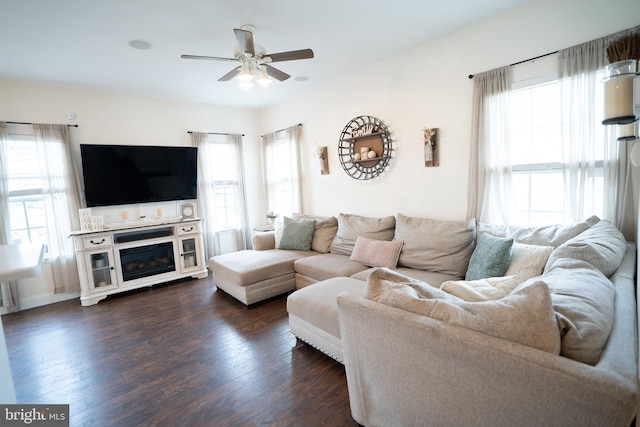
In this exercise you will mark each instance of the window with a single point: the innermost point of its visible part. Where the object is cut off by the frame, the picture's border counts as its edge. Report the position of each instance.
(225, 184)
(282, 171)
(537, 157)
(26, 201)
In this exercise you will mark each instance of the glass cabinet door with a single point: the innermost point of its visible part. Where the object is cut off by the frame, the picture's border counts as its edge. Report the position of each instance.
(101, 270)
(189, 252)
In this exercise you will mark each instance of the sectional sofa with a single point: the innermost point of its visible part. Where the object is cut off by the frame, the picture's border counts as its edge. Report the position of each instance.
(458, 323)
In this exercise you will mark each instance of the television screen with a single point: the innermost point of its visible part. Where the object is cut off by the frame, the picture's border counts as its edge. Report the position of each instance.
(125, 174)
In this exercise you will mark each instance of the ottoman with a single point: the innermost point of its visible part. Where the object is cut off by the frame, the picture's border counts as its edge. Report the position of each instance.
(251, 276)
(313, 313)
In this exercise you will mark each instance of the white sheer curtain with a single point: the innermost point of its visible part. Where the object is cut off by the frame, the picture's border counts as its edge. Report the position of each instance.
(490, 162)
(586, 141)
(62, 199)
(9, 290)
(282, 170)
(207, 190)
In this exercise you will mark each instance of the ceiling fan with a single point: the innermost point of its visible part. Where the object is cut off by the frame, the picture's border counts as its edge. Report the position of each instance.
(254, 61)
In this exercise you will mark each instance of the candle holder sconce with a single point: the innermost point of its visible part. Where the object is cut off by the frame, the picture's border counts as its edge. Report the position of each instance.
(321, 154)
(431, 149)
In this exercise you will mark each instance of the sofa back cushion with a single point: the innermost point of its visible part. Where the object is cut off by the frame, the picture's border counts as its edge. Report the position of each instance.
(583, 300)
(524, 316)
(324, 232)
(436, 245)
(351, 226)
(602, 246)
(551, 235)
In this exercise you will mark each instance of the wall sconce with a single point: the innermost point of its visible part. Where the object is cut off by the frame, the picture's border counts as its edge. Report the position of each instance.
(628, 132)
(619, 93)
(321, 154)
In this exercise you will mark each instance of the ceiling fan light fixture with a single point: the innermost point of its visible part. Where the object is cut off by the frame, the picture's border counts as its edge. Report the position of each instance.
(245, 85)
(249, 71)
(245, 77)
(264, 80)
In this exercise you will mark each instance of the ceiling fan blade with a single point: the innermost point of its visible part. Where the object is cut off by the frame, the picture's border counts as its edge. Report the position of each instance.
(275, 73)
(211, 58)
(231, 74)
(289, 56)
(245, 40)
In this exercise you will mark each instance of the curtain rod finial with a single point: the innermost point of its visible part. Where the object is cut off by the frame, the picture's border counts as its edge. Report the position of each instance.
(470, 76)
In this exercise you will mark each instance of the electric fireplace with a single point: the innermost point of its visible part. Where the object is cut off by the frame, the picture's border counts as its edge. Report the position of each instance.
(149, 260)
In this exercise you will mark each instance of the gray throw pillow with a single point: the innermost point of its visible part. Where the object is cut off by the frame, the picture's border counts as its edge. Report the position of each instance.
(490, 258)
(297, 234)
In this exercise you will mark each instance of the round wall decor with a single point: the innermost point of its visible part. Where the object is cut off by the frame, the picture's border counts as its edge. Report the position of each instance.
(365, 147)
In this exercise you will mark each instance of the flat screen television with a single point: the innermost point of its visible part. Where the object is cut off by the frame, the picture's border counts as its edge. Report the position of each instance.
(127, 174)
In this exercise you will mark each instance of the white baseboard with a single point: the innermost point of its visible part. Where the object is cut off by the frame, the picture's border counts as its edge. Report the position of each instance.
(40, 300)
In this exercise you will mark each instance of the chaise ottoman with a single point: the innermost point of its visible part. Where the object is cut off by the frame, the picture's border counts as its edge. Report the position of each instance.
(313, 313)
(251, 276)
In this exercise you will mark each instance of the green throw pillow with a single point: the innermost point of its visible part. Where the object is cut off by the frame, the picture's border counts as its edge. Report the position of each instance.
(297, 234)
(490, 258)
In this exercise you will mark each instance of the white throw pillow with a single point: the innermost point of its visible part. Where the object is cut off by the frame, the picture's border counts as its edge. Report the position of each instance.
(489, 289)
(527, 261)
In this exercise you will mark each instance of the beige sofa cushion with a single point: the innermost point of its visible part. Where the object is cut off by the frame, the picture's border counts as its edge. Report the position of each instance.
(317, 304)
(602, 246)
(324, 232)
(351, 226)
(524, 316)
(436, 245)
(431, 277)
(551, 235)
(244, 268)
(326, 266)
(583, 299)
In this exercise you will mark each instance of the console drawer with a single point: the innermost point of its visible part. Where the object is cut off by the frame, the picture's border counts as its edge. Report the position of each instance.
(98, 240)
(189, 228)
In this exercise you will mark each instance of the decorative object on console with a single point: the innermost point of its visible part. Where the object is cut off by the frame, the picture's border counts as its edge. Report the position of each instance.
(186, 209)
(85, 219)
(97, 222)
(364, 148)
(431, 147)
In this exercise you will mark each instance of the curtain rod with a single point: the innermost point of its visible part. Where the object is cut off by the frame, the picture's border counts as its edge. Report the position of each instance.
(280, 130)
(28, 123)
(525, 60)
(217, 133)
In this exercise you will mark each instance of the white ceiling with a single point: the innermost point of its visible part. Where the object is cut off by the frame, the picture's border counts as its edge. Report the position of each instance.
(85, 42)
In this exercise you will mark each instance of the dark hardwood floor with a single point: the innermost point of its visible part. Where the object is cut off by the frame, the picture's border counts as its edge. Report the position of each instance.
(184, 354)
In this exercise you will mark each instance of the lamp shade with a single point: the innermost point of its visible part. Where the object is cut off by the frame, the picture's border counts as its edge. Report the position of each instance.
(618, 93)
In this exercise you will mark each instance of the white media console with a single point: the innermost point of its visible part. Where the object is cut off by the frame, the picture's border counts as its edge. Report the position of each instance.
(132, 255)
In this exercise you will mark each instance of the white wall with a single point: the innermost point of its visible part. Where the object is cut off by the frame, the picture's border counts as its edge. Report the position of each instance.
(429, 87)
(113, 118)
